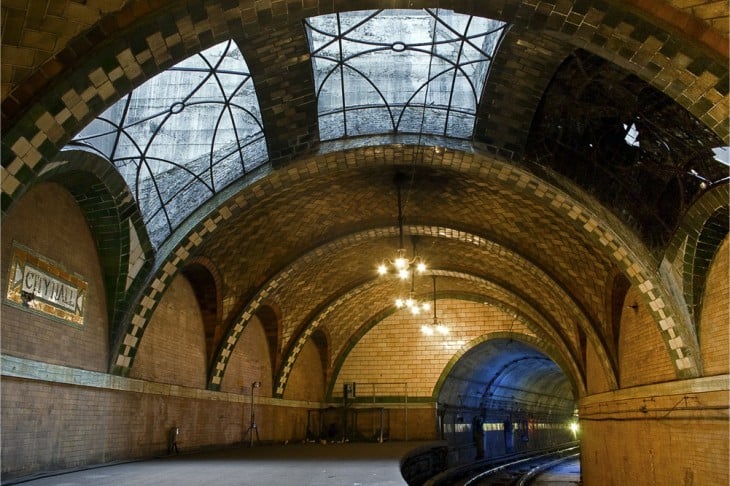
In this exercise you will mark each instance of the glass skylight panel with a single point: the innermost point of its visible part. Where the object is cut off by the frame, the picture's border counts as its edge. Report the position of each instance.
(400, 71)
(722, 155)
(182, 136)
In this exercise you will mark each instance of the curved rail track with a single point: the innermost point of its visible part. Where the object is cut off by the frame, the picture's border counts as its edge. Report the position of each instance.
(512, 470)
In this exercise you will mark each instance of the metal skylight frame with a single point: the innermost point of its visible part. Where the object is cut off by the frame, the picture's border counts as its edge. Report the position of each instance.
(182, 136)
(400, 71)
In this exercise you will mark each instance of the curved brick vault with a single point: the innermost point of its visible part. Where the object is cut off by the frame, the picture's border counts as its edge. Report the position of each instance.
(320, 210)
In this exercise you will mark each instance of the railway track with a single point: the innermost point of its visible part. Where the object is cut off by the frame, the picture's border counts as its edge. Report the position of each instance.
(513, 470)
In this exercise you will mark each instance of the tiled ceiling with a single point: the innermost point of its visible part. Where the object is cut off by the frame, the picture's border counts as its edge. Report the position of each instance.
(536, 212)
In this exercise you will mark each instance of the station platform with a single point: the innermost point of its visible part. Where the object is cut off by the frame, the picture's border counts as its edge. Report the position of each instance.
(315, 464)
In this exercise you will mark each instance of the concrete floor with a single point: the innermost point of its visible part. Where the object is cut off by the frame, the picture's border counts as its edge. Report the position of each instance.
(353, 464)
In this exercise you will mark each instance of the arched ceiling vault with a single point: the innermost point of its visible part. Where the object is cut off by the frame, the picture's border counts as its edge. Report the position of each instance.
(533, 237)
(321, 201)
(529, 288)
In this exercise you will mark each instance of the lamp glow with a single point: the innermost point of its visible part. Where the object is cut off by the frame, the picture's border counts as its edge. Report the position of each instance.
(402, 266)
(436, 327)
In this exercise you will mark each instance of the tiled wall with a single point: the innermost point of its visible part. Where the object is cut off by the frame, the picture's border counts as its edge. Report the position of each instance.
(715, 316)
(173, 350)
(50, 224)
(642, 351)
(395, 351)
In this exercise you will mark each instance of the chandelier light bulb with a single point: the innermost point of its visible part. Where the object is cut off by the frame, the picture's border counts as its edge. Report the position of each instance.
(421, 267)
(403, 274)
(401, 263)
(382, 269)
(426, 306)
(426, 330)
(441, 329)
(399, 303)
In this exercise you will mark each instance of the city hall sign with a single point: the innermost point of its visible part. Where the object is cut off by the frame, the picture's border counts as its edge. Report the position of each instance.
(39, 284)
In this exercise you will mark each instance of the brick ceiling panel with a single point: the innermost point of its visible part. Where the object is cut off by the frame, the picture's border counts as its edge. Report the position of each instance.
(318, 284)
(365, 308)
(306, 229)
(253, 248)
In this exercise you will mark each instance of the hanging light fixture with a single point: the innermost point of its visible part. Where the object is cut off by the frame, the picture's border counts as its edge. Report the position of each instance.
(401, 265)
(436, 327)
(410, 302)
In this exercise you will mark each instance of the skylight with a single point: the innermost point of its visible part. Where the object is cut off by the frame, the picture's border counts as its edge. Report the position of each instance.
(722, 155)
(400, 71)
(182, 136)
(632, 135)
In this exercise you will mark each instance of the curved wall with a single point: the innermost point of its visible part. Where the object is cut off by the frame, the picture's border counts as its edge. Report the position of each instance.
(172, 349)
(49, 223)
(715, 316)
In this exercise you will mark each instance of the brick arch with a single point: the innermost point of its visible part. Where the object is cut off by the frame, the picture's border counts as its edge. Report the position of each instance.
(528, 57)
(608, 235)
(206, 282)
(270, 317)
(115, 225)
(576, 379)
(520, 314)
(695, 243)
(618, 290)
(311, 323)
(711, 236)
(71, 100)
(35, 136)
(321, 341)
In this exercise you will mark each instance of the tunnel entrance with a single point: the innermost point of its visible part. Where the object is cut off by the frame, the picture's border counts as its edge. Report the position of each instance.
(505, 395)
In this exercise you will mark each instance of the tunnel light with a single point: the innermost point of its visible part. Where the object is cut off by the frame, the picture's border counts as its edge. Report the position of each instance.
(574, 427)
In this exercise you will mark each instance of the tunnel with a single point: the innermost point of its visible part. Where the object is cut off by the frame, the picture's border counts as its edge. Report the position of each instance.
(511, 389)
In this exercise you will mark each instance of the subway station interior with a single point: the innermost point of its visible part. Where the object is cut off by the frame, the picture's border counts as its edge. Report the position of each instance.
(455, 229)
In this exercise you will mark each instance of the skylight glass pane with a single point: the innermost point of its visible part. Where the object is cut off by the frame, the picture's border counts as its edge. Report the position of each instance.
(402, 71)
(722, 154)
(182, 136)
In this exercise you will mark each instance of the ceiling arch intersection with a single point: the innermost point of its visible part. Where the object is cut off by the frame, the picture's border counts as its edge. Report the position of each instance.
(519, 310)
(305, 273)
(608, 238)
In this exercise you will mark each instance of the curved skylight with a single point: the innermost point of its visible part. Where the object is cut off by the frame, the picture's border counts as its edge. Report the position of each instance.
(400, 71)
(182, 136)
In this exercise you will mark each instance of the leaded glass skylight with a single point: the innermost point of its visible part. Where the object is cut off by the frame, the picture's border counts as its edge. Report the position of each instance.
(182, 136)
(400, 71)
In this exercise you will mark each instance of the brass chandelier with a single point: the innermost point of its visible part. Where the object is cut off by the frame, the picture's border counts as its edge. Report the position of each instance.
(436, 327)
(403, 267)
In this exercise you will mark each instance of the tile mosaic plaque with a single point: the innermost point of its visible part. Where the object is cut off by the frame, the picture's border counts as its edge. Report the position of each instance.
(41, 285)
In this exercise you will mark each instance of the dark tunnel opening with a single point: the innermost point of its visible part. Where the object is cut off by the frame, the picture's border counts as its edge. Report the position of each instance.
(504, 396)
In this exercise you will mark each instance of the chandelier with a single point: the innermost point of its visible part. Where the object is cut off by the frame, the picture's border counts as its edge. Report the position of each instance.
(401, 266)
(436, 326)
(410, 302)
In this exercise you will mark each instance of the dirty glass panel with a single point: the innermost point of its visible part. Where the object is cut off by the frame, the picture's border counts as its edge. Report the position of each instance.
(182, 136)
(400, 71)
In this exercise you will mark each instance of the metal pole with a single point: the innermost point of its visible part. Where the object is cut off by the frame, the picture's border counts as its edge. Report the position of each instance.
(252, 428)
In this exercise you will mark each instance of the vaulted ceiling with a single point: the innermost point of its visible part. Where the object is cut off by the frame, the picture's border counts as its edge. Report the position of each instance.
(539, 213)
